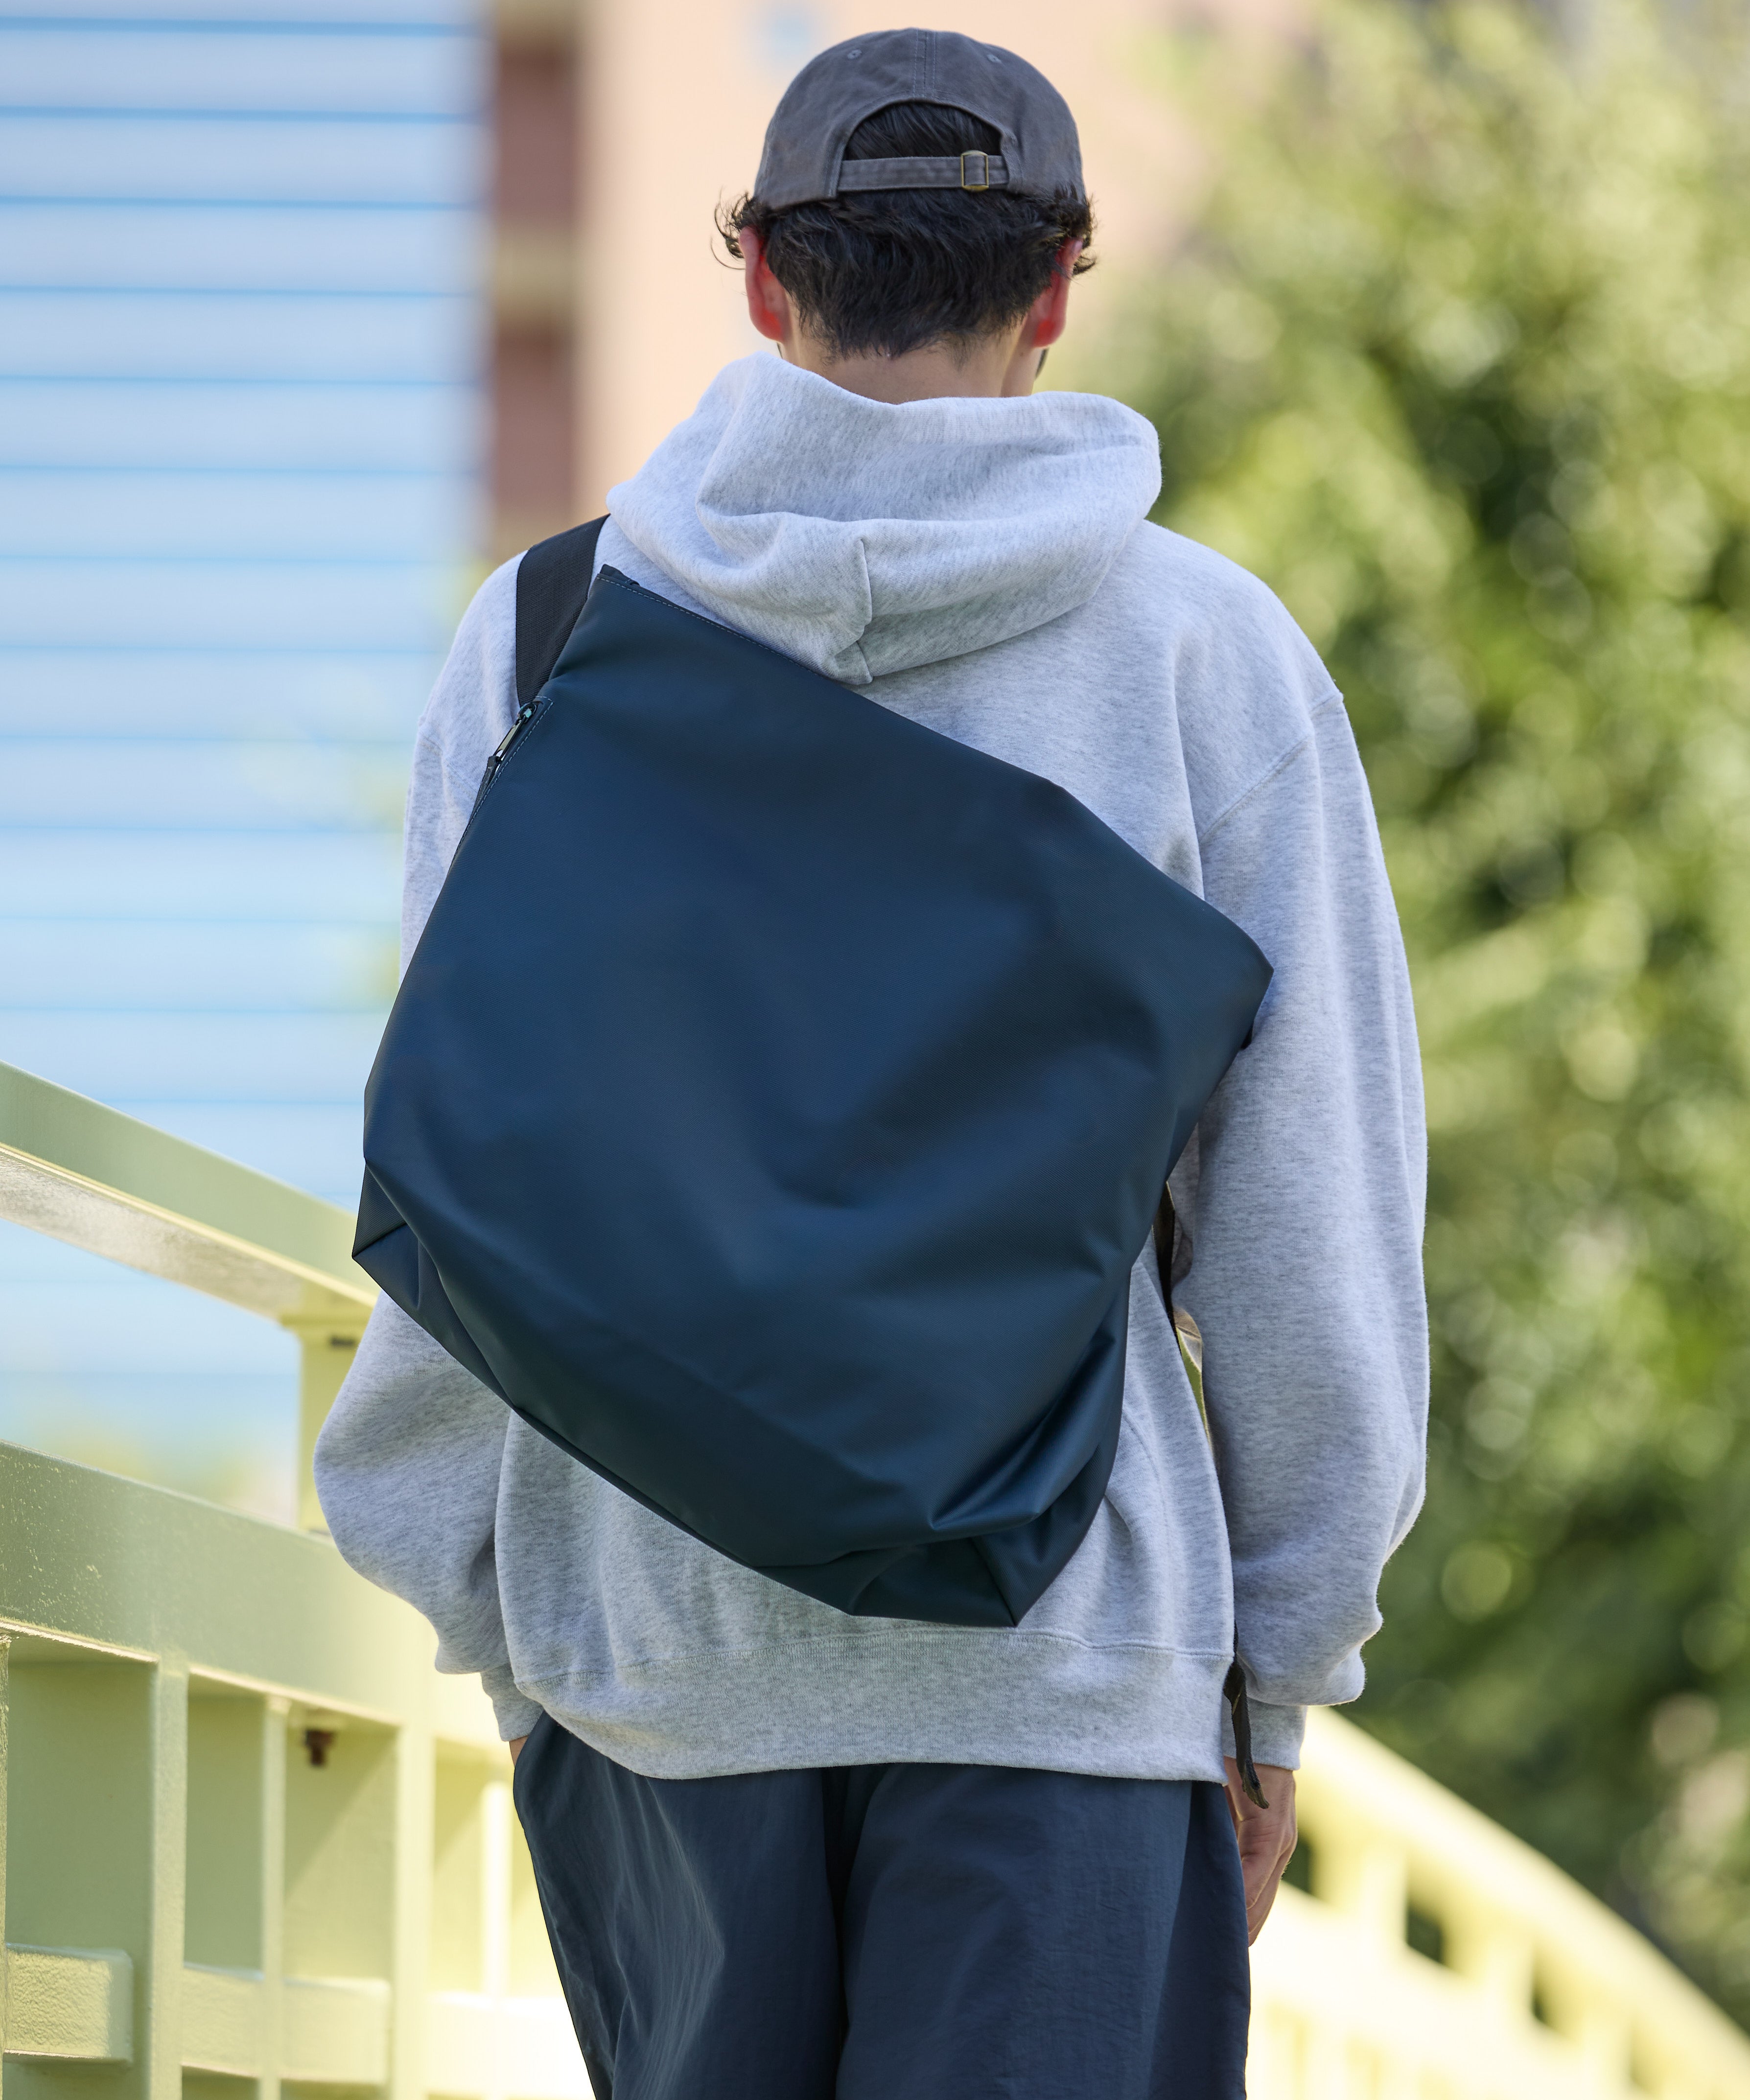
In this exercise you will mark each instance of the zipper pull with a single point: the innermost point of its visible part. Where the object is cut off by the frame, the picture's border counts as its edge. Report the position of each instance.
(525, 715)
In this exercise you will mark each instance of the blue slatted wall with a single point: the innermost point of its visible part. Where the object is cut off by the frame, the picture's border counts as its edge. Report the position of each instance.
(242, 252)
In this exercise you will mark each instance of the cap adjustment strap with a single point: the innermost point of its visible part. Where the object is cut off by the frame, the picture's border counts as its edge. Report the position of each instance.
(926, 172)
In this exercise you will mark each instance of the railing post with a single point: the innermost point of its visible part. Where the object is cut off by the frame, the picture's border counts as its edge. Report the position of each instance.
(1601, 2034)
(326, 1348)
(6, 1657)
(1367, 1877)
(275, 1713)
(167, 1879)
(1493, 1952)
(495, 1817)
(1324, 2068)
(415, 1775)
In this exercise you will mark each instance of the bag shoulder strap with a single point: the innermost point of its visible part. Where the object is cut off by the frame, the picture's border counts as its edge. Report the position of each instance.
(553, 581)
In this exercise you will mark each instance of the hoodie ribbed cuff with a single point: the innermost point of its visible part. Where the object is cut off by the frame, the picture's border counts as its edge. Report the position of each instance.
(1276, 1734)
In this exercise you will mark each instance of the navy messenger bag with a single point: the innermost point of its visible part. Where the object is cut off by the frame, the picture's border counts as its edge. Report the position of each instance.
(777, 1101)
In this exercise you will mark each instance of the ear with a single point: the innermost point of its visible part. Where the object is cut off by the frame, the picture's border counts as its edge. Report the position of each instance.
(1049, 315)
(767, 302)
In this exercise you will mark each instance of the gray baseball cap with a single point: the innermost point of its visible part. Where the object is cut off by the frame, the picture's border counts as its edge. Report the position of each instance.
(804, 161)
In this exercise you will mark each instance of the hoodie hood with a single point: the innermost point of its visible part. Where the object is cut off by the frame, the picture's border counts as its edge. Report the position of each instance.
(864, 537)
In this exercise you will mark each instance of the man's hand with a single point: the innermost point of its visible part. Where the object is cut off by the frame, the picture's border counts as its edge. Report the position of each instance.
(516, 1743)
(1266, 1837)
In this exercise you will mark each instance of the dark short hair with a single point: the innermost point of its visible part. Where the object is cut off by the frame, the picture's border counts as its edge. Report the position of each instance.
(889, 270)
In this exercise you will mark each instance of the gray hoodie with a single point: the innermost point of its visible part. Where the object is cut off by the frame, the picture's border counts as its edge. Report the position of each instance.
(984, 567)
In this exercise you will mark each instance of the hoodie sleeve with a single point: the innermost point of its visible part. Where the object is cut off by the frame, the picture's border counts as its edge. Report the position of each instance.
(408, 1468)
(408, 1463)
(1305, 1207)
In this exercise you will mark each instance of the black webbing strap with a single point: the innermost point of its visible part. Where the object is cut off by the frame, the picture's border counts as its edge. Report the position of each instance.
(1167, 1234)
(553, 581)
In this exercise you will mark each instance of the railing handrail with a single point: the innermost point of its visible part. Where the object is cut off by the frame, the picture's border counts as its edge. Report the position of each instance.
(104, 1181)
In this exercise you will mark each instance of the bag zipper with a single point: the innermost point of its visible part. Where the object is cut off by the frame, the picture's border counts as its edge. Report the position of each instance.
(525, 715)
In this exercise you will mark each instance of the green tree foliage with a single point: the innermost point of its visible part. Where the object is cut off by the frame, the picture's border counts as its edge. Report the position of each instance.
(1458, 358)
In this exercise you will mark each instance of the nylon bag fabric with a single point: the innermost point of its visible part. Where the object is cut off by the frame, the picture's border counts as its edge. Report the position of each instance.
(774, 1108)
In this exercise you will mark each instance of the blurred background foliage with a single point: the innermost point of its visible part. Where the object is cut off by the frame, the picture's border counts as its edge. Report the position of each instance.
(1457, 356)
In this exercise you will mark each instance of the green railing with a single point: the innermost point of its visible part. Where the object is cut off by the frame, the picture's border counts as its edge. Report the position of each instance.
(247, 1832)
(106, 1182)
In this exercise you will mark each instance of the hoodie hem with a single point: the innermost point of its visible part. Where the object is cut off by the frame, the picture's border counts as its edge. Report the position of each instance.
(1120, 1712)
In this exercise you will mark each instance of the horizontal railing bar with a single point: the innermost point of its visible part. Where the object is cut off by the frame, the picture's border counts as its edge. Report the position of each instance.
(99, 1179)
(336, 2028)
(103, 1566)
(69, 2005)
(26, 1638)
(74, 2006)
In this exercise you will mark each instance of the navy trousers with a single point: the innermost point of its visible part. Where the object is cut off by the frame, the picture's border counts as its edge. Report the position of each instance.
(890, 1932)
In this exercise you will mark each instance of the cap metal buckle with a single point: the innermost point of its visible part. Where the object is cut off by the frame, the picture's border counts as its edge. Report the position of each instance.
(984, 171)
